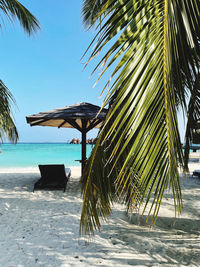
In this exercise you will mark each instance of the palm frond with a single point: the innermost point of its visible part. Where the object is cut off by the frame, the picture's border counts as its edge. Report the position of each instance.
(139, 142)
(7, 125)
(193, 116)
(14, 9)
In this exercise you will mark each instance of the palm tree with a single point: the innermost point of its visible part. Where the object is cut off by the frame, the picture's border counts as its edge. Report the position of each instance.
(152, 50)
(13, 9)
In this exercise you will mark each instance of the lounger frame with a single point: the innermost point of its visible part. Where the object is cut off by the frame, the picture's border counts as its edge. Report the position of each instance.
(53, 177)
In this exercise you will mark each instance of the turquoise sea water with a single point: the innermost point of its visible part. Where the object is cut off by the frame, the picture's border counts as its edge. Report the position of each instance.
(31, 154)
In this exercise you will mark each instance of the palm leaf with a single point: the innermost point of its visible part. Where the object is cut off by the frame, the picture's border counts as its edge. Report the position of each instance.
(138, 149)
(7, 125)
(14, 9)
(193, 116)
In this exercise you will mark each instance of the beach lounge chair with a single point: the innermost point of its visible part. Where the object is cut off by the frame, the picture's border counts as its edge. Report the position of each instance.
(196, 173)
(53, 177)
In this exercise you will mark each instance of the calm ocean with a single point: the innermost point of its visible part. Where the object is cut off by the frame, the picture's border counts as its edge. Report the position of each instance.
(31, 154)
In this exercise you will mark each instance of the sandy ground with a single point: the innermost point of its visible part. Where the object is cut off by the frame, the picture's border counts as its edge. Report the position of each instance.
(42, 228)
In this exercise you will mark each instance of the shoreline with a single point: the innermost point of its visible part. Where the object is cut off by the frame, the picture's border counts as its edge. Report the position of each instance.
(194, 163)
(74, 169)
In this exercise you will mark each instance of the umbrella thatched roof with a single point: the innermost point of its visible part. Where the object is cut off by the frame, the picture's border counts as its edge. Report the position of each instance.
(82, 116)
(70, 117)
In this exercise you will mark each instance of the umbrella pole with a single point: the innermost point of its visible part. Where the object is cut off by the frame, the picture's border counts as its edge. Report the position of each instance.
(83, 160)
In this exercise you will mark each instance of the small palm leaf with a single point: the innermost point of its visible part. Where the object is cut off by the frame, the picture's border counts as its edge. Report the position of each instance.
(14, 9)
(7, 126)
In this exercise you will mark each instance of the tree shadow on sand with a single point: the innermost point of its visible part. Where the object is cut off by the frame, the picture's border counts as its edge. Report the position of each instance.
(168, 243)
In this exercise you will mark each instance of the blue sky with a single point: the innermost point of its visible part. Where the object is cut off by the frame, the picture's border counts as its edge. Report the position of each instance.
(44, 71)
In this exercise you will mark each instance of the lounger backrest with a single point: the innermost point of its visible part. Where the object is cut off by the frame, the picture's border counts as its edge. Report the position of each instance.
(53, 173)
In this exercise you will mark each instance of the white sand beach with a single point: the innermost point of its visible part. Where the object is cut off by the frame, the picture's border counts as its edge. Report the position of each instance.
(42, 228)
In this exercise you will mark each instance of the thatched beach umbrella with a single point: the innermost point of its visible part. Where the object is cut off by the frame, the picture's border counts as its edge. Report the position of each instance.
(82, 116)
